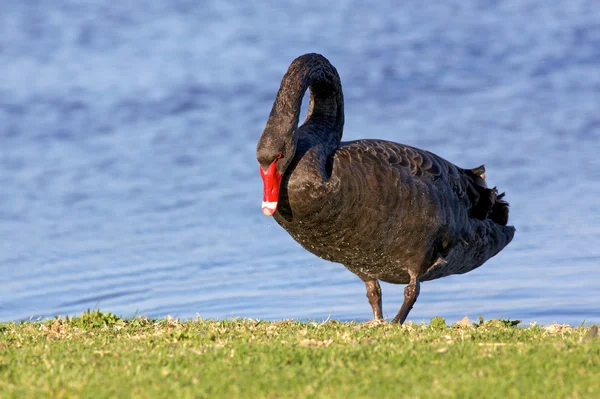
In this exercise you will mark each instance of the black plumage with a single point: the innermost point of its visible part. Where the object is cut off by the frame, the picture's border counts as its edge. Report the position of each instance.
(386, 211)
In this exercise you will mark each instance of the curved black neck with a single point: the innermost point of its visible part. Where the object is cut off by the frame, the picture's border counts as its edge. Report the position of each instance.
(326, 106)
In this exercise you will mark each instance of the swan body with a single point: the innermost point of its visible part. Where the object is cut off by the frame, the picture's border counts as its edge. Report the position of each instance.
(386, 211)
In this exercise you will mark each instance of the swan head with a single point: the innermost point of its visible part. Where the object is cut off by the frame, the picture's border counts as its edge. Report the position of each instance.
(274, 154)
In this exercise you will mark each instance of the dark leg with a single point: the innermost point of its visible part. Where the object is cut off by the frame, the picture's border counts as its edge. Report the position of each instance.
(411, 292)
(374, 296)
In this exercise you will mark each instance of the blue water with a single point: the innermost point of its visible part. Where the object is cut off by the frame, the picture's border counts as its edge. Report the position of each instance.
(128, 180)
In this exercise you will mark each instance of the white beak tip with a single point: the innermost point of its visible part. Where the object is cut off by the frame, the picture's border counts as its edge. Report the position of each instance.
(269, 208)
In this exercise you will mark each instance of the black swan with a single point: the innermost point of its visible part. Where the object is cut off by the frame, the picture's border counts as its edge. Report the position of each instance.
(384, 210)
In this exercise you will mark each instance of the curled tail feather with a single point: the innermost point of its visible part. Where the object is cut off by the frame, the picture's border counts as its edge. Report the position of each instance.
(499, 212)
(487, 203)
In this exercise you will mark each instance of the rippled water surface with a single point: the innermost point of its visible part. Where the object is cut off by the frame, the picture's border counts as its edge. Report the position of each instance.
(128, 179)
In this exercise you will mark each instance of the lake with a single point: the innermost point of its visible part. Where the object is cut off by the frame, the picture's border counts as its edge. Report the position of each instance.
(129, 183)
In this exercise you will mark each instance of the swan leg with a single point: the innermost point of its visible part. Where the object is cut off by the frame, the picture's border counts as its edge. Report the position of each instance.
(374, 297)
(411, 292)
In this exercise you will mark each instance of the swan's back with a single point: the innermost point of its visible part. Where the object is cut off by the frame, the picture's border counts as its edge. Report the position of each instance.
(467, 186)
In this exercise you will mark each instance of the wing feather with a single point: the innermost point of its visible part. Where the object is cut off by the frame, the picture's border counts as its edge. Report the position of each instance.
(468, 185)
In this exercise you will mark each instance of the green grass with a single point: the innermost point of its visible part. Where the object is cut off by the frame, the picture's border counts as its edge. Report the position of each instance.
(100, 355)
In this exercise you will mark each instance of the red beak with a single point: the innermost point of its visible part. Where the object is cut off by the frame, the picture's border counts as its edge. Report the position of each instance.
(272, 181)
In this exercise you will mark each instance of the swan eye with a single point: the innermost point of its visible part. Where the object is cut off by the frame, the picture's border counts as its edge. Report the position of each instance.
(279, 155)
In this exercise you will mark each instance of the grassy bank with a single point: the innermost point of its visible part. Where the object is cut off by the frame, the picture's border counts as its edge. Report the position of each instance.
(100, 355)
